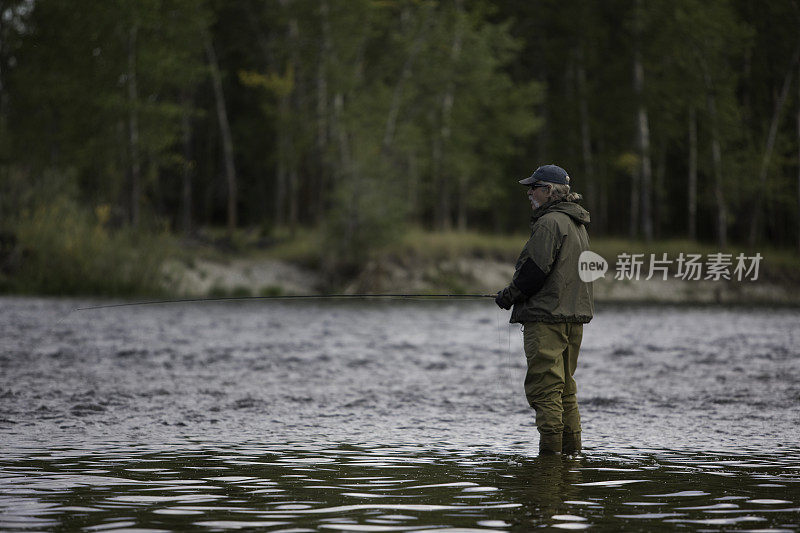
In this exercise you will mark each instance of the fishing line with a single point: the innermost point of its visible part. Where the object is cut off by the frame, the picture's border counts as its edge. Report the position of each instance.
(499, 375)
(296, 297)
(511, 362)
(507, 376)
(502, 375)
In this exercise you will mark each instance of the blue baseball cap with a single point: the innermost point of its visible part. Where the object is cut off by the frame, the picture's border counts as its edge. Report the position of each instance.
(549, 174)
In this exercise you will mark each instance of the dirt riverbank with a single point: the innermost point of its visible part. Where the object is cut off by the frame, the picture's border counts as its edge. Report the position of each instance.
(259, 276)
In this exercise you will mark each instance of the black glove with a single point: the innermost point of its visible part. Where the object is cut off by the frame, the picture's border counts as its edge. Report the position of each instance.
(502, 300)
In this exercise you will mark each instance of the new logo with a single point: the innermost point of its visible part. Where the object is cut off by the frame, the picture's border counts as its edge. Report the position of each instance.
(591, 266)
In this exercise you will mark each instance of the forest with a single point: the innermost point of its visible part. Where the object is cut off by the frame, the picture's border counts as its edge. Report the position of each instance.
(363, 118)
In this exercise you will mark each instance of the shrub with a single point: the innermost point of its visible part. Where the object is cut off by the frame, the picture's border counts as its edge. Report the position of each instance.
(67, 249)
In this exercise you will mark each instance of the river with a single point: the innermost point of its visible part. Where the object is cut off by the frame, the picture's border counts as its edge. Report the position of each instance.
(396, 415)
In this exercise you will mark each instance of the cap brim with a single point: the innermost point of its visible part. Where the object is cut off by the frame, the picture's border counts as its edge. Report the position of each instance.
(529, 181)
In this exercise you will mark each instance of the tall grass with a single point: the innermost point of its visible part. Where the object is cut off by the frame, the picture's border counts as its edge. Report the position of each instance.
(66, 249)
(448, 244)
(777, 264)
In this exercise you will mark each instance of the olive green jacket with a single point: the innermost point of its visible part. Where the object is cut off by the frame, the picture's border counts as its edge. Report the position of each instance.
(546, 286)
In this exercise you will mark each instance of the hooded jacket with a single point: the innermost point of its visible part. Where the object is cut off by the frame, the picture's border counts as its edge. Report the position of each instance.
(546, 286)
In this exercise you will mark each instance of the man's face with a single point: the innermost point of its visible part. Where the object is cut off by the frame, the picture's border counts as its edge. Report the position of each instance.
(538, 195)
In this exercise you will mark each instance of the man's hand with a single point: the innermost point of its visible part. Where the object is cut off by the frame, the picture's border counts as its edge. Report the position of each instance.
(503, 300)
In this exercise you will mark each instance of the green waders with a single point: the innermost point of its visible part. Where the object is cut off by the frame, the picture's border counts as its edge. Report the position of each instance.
(552, 354)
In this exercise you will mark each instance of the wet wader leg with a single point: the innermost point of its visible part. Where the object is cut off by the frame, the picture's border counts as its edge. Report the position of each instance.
(544, 381)
(571, 438)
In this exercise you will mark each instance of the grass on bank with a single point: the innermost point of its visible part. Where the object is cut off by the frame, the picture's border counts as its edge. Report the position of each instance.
(778, 264)
(66, 250)
(306, 244)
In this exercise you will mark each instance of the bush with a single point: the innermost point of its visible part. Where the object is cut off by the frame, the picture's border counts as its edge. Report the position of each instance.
(366, 217)
(67, 249)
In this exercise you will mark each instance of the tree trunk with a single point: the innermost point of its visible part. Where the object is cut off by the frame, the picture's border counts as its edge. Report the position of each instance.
(543, 107)
(413, 186)
(282, 171)
(603, 208)
(643, 137)
(294, 198)
(293, 33)
(133, 129)
(692, 185)
(463, 191)
(719, 198)
(225, 132)
(716, 154)
(153, 177)
(347, 175)
(188, 167)
(755, 229)
(3, 100)
(286, 201)
(322, 133)
(441, 216)
(601, 222)
(747, 93)
(444, 192)
(660, 211)
(405, 75)
(633, 221)
(586, 135)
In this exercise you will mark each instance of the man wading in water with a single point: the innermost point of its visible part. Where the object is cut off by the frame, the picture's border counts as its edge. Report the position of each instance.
(552, 303)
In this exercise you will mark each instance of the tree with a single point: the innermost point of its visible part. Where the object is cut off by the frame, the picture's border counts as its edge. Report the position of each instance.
(104, 106)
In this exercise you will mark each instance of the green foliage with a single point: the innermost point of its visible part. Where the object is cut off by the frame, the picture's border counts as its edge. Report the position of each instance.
(84, 79)
(68, 250)
(367, 216)
(270, 291)
(447, 244)
(302, 247)
(352, 119)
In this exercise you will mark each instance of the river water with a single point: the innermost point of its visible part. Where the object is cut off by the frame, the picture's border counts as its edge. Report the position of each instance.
(389, 416)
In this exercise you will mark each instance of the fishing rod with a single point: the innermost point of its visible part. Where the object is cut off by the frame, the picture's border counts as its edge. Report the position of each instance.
(295, 297)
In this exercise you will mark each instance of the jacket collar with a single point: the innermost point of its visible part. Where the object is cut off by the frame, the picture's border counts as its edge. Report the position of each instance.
(543, 209)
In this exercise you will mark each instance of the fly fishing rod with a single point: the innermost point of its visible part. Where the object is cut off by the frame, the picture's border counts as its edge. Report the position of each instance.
(420, 296)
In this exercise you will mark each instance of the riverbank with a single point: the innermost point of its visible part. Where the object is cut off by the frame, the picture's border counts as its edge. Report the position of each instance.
(472, 263)
(96, 261)
(466, 275)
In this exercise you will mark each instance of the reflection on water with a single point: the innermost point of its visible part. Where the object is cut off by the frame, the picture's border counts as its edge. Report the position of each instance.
(302, 487)
(390, 416)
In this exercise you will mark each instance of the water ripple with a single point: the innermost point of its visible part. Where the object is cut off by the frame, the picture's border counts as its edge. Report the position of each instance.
(390, 417)
(192, 484)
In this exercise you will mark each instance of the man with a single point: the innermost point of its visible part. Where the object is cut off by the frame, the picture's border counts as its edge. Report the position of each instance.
(552, 303)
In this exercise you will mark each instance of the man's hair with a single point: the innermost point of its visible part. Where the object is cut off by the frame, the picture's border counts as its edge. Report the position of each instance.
(560, 191)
